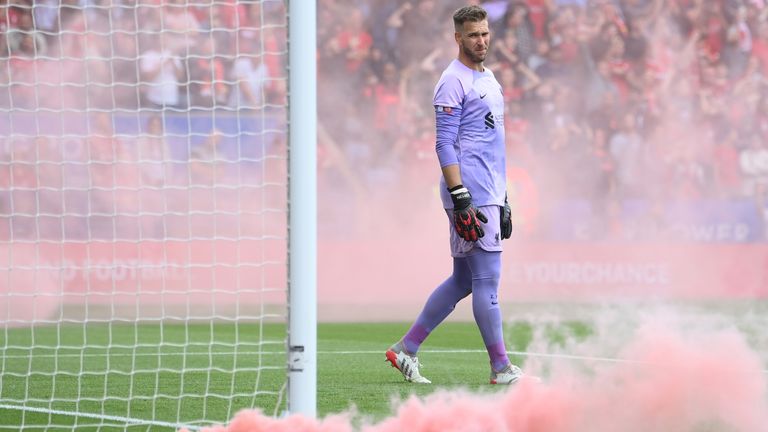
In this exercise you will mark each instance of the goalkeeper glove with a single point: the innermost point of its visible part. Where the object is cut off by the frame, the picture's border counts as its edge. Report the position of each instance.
(506, 220)
(466, 215)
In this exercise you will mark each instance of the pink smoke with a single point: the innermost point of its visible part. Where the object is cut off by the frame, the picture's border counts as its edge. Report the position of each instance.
(253, 421)
(667, 380)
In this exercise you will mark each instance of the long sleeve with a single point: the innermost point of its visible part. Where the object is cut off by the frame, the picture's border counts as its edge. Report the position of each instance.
(447, 131)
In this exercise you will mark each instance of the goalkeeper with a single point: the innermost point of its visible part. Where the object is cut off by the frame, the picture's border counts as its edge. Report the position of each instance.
(469, 107)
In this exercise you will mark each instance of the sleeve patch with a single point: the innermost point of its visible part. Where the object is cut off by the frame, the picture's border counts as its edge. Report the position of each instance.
(445, 109)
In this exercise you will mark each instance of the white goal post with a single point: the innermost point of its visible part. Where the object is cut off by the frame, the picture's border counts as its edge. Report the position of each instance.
(302, 228)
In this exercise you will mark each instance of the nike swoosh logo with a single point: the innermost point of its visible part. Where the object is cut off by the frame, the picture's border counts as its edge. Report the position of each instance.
(483, 95)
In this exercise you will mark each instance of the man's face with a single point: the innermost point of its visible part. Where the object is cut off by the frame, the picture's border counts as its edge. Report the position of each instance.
(474, 40)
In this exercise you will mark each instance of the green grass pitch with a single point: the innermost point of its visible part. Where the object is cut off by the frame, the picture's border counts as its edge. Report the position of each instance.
(99, 375)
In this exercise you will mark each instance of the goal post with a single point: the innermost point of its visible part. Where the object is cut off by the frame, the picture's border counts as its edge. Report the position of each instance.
(302, 228)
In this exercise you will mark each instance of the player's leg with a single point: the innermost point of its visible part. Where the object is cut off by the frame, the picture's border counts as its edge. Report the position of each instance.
(486, 272)
(439, 305)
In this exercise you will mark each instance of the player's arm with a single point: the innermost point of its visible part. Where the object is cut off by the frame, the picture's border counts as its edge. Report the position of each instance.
(466, 217)
(452, 176)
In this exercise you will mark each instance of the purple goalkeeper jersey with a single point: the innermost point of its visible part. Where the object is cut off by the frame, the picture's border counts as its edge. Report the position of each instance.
(469, 107)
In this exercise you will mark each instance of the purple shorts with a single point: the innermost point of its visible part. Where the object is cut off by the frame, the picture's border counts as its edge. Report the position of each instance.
(490, 242)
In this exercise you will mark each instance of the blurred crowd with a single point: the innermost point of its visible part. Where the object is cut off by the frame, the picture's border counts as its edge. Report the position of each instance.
(607, 100)
(610, 101)
(111, 117)
(170, 55)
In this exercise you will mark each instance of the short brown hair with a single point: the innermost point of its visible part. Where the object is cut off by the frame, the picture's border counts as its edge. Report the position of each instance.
(468, 13)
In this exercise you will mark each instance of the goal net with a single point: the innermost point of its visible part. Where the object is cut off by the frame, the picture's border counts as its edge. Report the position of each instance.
(142, 212)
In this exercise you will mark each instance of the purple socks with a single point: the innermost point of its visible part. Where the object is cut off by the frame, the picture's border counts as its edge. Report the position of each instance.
(477, 274)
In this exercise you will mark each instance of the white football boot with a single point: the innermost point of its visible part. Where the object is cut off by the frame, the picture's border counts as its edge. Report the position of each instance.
(509, 375)
(407, 365)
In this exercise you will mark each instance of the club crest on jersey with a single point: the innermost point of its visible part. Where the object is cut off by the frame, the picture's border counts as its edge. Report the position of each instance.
(445, 109)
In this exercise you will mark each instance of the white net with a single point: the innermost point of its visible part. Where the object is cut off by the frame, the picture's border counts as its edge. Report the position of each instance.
(142, 212)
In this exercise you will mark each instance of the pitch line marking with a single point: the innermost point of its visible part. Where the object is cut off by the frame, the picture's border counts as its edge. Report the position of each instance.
(117, 419)
(365, 352)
